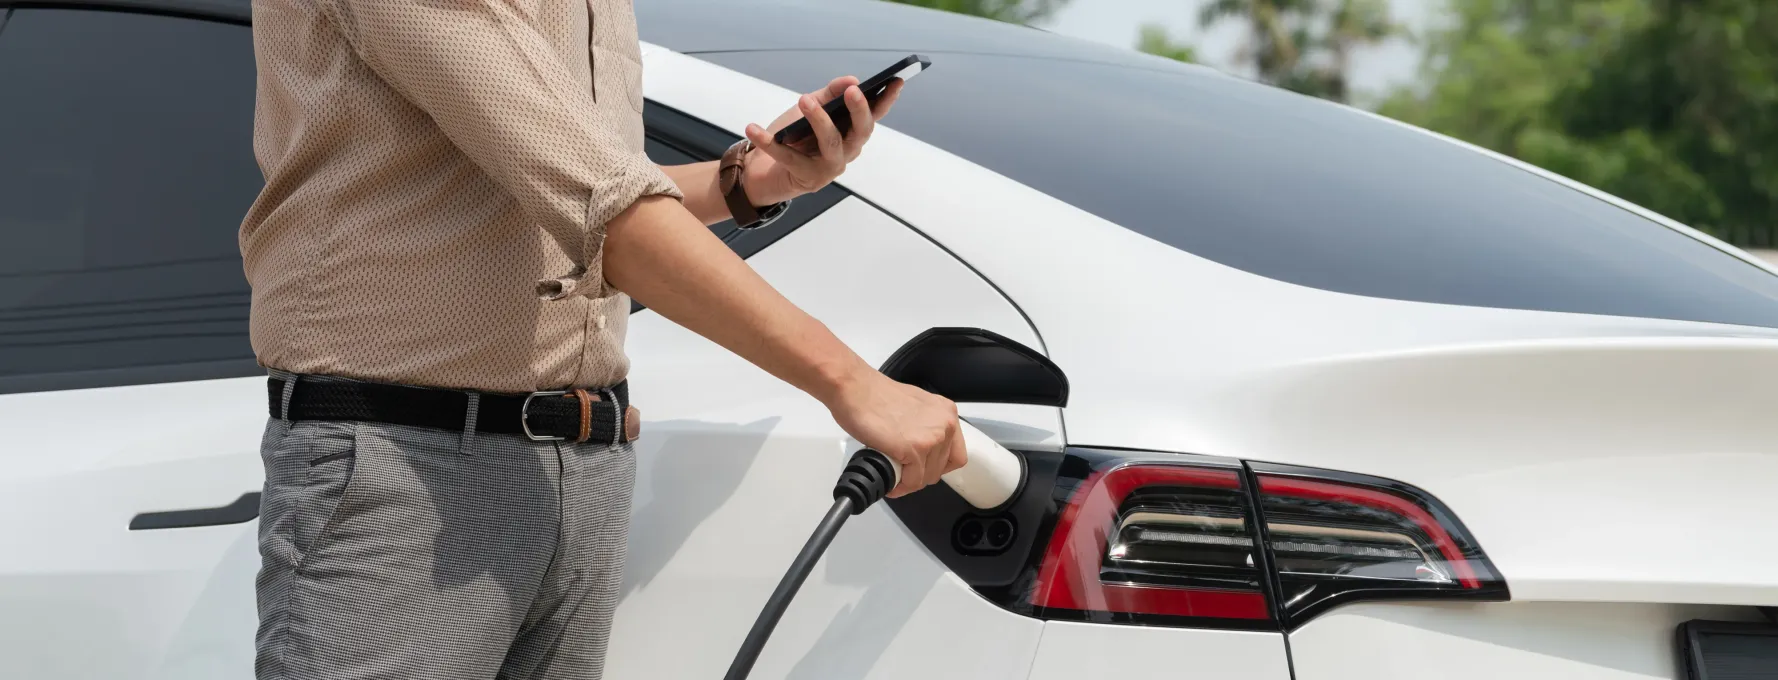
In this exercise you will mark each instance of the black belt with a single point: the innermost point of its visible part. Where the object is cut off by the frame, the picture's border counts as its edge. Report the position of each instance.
(560, 415)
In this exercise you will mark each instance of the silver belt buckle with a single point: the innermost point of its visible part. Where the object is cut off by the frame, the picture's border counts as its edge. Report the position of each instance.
(525, 416)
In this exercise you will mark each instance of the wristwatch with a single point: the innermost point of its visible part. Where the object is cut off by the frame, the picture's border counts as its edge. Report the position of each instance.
(728, 178)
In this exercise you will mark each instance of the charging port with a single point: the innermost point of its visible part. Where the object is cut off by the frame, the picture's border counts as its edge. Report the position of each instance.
(984, 535)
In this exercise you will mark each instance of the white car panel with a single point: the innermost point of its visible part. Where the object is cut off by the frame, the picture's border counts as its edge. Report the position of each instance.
(73, 574)
(737, 467)
(1079, 651)
(1488, 641)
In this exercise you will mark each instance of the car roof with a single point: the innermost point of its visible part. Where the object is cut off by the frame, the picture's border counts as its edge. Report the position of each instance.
(1253, 177)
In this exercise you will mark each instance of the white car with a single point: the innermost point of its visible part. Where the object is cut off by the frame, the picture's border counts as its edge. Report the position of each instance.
(1483, 422)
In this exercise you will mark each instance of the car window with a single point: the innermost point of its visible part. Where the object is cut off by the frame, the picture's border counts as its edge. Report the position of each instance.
(662, 153)
(1296, 189)
(126, 167)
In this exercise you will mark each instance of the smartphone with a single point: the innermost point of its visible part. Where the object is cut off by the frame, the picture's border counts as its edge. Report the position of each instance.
(801, 136)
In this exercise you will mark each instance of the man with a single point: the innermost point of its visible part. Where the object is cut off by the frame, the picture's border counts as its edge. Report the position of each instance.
(456, 204)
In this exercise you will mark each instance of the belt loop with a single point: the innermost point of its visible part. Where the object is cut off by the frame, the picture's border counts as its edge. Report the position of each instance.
(469, 415)
(284, 401)
(585, 401)
(617, 412)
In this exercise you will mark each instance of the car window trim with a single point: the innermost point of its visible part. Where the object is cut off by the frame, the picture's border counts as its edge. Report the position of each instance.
(222, 11)
(682, 131)
(132, 375)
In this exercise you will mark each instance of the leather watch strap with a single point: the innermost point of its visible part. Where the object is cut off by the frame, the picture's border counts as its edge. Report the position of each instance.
(728, 177)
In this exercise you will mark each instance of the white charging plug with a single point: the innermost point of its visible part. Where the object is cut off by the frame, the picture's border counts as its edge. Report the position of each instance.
(990, 478)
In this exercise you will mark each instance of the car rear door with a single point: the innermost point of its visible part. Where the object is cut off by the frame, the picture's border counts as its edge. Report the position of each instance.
(130, 407)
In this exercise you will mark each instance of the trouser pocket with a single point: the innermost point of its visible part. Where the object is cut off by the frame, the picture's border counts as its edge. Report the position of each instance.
(330, 462)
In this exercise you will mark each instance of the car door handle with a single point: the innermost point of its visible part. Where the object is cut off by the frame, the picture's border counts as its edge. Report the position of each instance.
(244, 509)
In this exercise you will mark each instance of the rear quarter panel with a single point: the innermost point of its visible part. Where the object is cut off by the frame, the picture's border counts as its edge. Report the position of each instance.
(1602, 470)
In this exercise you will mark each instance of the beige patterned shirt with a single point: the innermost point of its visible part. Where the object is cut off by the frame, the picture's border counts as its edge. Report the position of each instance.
(438, 178)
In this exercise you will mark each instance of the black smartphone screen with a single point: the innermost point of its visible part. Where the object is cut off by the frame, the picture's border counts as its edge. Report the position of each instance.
(801, 136)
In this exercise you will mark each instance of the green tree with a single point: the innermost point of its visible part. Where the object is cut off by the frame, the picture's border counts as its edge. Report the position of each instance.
(1351, 25)
(1012, 11)
(1672, 104)
(1304, 45)
(1154, 39)
(1275, 34)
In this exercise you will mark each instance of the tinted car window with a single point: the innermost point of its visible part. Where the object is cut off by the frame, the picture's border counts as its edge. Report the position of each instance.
(125, 168)
(662, 153)
(1297, 189)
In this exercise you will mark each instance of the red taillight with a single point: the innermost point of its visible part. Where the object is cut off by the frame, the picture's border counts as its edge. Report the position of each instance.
(1286, 487)
(1336, 537)
(1122, 536)
(1153, 540)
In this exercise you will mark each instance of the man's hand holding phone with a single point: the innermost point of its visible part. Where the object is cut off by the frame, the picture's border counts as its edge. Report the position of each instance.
(786, 171)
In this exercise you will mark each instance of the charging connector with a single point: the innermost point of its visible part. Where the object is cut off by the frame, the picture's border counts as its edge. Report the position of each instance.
(868, 476)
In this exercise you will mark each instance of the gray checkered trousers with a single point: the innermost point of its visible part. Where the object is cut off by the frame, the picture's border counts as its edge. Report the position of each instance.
(401, 552)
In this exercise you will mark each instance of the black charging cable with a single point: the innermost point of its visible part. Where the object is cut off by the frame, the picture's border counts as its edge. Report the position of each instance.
(866, 479)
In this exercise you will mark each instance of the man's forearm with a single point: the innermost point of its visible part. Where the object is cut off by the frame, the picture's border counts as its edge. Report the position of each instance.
(658, 253)
(702, 198)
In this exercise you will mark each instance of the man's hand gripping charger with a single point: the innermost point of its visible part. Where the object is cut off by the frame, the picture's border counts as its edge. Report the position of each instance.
(989, 479)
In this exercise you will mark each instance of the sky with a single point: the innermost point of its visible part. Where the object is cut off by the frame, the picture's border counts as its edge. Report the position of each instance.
(1116, 22)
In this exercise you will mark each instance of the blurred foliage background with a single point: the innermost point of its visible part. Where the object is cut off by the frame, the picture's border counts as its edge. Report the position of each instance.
(1672, 104)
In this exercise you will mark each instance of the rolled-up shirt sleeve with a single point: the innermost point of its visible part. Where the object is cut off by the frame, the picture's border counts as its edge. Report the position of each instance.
(492, 82)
